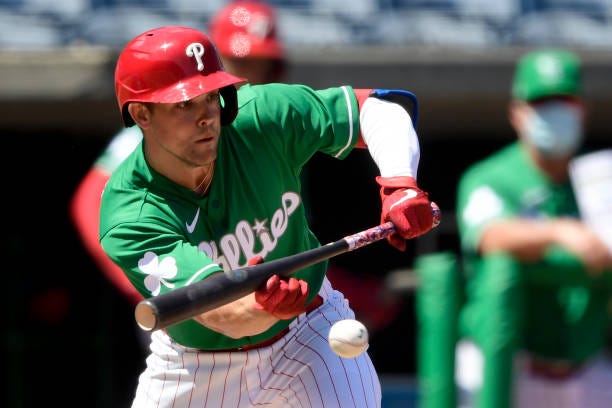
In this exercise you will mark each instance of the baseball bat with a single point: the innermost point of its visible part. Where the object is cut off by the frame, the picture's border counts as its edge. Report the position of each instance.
(221, 288)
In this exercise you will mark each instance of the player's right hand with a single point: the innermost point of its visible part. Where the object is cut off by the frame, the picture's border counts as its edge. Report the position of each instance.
(407, 207)
(284, 299)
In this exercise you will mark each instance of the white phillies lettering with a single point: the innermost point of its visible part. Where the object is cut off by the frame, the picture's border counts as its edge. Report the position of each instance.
(245, 236)
(196, 50)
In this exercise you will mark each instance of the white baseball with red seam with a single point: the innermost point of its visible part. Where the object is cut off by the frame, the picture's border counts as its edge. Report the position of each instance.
(348, 338)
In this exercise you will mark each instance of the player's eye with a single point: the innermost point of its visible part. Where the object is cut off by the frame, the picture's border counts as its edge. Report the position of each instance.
(212, 97)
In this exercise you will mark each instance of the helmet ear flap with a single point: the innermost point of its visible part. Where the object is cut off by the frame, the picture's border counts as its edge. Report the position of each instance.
(229, 110)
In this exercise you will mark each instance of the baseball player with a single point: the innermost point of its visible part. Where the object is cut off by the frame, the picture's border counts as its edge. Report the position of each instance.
(539, 280)
(215, 184)
(245, 33)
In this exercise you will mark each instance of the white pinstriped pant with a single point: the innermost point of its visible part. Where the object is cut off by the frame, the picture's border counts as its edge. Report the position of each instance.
(299, 370)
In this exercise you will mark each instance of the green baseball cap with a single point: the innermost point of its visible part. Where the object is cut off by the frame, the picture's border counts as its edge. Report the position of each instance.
(545, 73)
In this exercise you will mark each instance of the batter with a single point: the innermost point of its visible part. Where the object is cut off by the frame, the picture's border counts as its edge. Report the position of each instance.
(215, 184)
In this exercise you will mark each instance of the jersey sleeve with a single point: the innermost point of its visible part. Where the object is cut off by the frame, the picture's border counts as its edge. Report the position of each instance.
(479, 202)
(155, 258)
(300, 121)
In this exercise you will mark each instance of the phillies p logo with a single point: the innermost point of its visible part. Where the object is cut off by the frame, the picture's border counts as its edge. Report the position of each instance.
(196, 50)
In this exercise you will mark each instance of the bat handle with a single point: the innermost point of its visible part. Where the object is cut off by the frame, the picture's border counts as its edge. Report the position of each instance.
(381, 231)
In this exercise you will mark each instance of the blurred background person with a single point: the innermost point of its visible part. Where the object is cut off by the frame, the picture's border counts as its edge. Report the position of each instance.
(246, 34)
(538, 279)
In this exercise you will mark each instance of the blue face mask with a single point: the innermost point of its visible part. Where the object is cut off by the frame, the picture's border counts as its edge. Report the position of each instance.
(555, 129)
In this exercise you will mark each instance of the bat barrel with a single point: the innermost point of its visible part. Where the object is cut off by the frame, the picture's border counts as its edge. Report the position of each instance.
(189, 301)
(221, 288)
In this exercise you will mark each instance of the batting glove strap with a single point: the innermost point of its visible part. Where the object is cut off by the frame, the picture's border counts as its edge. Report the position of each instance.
(407, 207)
(284, 299)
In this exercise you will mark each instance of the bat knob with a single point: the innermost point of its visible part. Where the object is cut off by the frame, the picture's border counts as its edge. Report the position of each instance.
(145, 315)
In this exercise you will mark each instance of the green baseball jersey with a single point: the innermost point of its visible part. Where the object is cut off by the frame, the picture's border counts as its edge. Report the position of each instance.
(507, 184)
(165, 236)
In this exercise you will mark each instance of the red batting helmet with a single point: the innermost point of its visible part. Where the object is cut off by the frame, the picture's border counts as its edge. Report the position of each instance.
(246, 29)
(172, 64)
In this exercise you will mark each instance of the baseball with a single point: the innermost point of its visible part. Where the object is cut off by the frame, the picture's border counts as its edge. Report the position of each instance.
(348, 338)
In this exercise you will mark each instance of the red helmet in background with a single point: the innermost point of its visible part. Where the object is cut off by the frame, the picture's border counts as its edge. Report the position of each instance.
(246, 29)
(172, 64)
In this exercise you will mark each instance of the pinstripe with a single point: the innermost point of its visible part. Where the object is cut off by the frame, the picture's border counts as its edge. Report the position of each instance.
(344, 363)
(332, 381)
(361, 381)
(287, 374)
(161, 391)
(148, 383)
(210, 377)
(178, 382)
(298, 371)
(309, 386)
(225, 378)
(243, 382)
(195, 380)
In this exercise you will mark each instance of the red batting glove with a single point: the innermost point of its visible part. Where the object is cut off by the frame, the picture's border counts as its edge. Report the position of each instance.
(407, 207)
(284, 299)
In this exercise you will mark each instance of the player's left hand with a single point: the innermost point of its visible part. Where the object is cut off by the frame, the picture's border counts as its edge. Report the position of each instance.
(284, 299)
(407, 207)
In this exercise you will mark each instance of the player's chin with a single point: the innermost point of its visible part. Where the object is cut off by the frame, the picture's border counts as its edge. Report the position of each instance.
(199, 159)
(205, 153)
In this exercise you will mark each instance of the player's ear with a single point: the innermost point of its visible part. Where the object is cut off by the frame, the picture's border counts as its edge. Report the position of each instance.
(140, 113)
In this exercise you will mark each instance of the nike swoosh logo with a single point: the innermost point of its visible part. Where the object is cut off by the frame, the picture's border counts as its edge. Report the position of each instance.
(409, 194)
(191, 227)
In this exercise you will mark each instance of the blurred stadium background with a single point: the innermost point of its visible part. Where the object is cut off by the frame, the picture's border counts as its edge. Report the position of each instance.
(68, 337)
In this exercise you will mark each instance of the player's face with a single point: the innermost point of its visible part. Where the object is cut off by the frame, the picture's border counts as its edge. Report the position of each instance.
(551, 128)
(188, 131)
